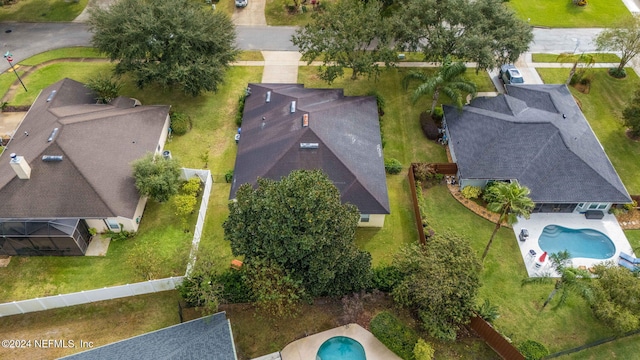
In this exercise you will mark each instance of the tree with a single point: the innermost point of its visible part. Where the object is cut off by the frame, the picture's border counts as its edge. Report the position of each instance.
(482, 31)
(300, 225)
(201, 287)
(106, 88)
(631, 115)
(171, 43)
(157, 177)
(571, 279)
(615, 297)
(510, 200)
(586, 60)
(624, 39)
(341, 39)
(440, 283)
(447, 80)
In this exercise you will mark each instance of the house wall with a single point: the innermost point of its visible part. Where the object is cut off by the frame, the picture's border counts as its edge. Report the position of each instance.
(375, 220)
(165, 133)
(472, 182)
(129, 224)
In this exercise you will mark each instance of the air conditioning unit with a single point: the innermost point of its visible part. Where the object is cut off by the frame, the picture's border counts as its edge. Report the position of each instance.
(166, 154)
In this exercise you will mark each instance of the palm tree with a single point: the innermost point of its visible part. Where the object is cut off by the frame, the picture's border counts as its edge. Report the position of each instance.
(510, 200)
(570, 280)
(586, 59)
(447, 80)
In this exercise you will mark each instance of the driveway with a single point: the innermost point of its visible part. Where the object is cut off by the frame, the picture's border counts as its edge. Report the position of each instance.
(252, 15)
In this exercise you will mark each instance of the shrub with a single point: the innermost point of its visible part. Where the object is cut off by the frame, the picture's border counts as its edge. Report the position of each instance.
(121, 235)
(423, 350)
(241, 100)
(438, 114)
(487, 311)
(192, 186)
(429, 127)
(395, 335)
(234, 287)
(489, 195)
(423, 172)
(228, 176)
(631, 114)
(471, 192)
(379, 101)
(533, 350)
(392, 166)
(385, 278)
(180, 123)
(105, 87)
(618, 73)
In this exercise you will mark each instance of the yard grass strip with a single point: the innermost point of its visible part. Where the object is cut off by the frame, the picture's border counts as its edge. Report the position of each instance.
(564, 14)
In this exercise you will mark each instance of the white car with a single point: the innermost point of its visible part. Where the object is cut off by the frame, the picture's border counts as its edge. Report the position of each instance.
(242, 3)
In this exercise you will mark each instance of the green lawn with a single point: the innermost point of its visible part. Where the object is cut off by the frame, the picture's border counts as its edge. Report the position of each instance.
(603, 107)
(625, 348)
(520, 317)
(42, 10)
(564, 14)
(64, 53)
(277, 13)
(597, 57)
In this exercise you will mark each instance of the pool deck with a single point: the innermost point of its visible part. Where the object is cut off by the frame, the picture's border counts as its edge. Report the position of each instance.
(535, 224)
(307, 348)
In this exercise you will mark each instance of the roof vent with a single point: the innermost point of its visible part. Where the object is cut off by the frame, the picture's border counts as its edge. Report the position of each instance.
(305, 120)
(293, 107)
(309, 145)
(20, 166)
(52, 158)
(53, 134)
(564, 116)
(268, 99)
(53, 93)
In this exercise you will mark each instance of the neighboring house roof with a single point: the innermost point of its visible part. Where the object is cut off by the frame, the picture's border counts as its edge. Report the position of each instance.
(207, 338)
(538, 135)
(345, 131)
(98, 144)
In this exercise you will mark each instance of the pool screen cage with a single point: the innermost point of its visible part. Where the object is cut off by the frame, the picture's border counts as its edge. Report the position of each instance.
(43, 237)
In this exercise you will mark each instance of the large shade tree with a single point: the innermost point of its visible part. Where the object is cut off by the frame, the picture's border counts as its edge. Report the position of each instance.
(482, 31)
(157, 177)
(448, 80)
(440, 283)
(348, 34)
(510, 200)
(171, 43)
(299, 225)
(624, 39)
(616, 297)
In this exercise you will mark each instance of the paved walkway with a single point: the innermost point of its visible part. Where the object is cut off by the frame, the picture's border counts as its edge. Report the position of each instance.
(307, 348)
(280, 67)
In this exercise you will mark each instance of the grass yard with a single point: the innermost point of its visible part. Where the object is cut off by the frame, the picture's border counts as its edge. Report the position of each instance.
(101, 323)
(42, 10)
(597, 57)
(277, 13)
(602, 106)
(625, 348)
(520, 317)
(564, 14)
(64, 53)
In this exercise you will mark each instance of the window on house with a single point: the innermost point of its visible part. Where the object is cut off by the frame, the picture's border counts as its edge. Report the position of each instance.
(602, 206)
(364, 217)
(593, 206)
(112, 224)
(581, 205)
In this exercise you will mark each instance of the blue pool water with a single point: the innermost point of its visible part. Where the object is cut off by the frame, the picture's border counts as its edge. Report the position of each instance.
(584, 243)
(341, 348)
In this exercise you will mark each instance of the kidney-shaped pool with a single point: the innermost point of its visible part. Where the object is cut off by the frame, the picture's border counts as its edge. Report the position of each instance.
(580, 243)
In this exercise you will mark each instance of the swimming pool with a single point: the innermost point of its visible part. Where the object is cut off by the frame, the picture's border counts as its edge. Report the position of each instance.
(341, 348)
(580, 243)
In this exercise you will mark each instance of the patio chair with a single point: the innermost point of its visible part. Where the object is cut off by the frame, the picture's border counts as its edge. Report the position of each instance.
(627, 264)
(629, 258)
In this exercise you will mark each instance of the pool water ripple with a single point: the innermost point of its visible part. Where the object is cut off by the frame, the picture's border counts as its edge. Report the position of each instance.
(580, 243)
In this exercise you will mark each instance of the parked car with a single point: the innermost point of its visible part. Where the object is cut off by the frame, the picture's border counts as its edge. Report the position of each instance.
(242, 3)
(509, 74)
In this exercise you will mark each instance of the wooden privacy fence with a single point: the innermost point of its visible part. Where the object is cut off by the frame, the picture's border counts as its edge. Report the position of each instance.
(494, 339)
(416, 208)
(445, 168)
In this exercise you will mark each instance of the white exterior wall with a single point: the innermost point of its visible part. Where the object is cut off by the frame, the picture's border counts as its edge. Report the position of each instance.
(472, 182)
(375, 220)
(165, 133)
(97, 224)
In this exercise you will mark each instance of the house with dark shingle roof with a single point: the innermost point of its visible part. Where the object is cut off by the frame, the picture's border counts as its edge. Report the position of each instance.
(206, 338)
(287, 127)
(72, 170)
(538, 136)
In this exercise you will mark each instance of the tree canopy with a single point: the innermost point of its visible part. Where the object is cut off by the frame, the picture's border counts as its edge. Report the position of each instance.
(440, 283)
(157, 177)
(616, 297)
(631, 114)
(348, 34)
(482, 31)
(624, 39)
(300, 225)
(170, 43)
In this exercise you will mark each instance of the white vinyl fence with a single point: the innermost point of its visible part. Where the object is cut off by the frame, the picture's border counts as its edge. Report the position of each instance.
(115, 292)
(84, 297)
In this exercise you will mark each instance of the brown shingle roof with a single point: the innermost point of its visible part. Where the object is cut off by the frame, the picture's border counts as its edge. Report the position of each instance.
(98, 144)
(345, 128)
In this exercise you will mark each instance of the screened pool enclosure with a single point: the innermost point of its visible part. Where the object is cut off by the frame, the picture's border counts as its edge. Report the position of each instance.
(43, 237)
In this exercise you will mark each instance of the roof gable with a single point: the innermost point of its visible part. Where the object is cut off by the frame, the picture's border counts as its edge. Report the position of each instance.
(345, 129)
(548, 145)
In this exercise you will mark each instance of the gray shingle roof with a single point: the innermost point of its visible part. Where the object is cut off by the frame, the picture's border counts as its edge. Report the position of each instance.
(98, 144)
(207, 338)
(346, 129)
(539, 136)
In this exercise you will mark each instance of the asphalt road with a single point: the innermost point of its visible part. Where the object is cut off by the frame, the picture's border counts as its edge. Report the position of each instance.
(26, 39)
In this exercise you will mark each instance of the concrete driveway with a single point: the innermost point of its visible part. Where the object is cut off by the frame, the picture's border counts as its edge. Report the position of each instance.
(252, 15)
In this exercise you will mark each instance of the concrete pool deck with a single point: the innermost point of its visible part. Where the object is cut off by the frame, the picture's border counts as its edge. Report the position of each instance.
(307, 348)
(535, 224)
